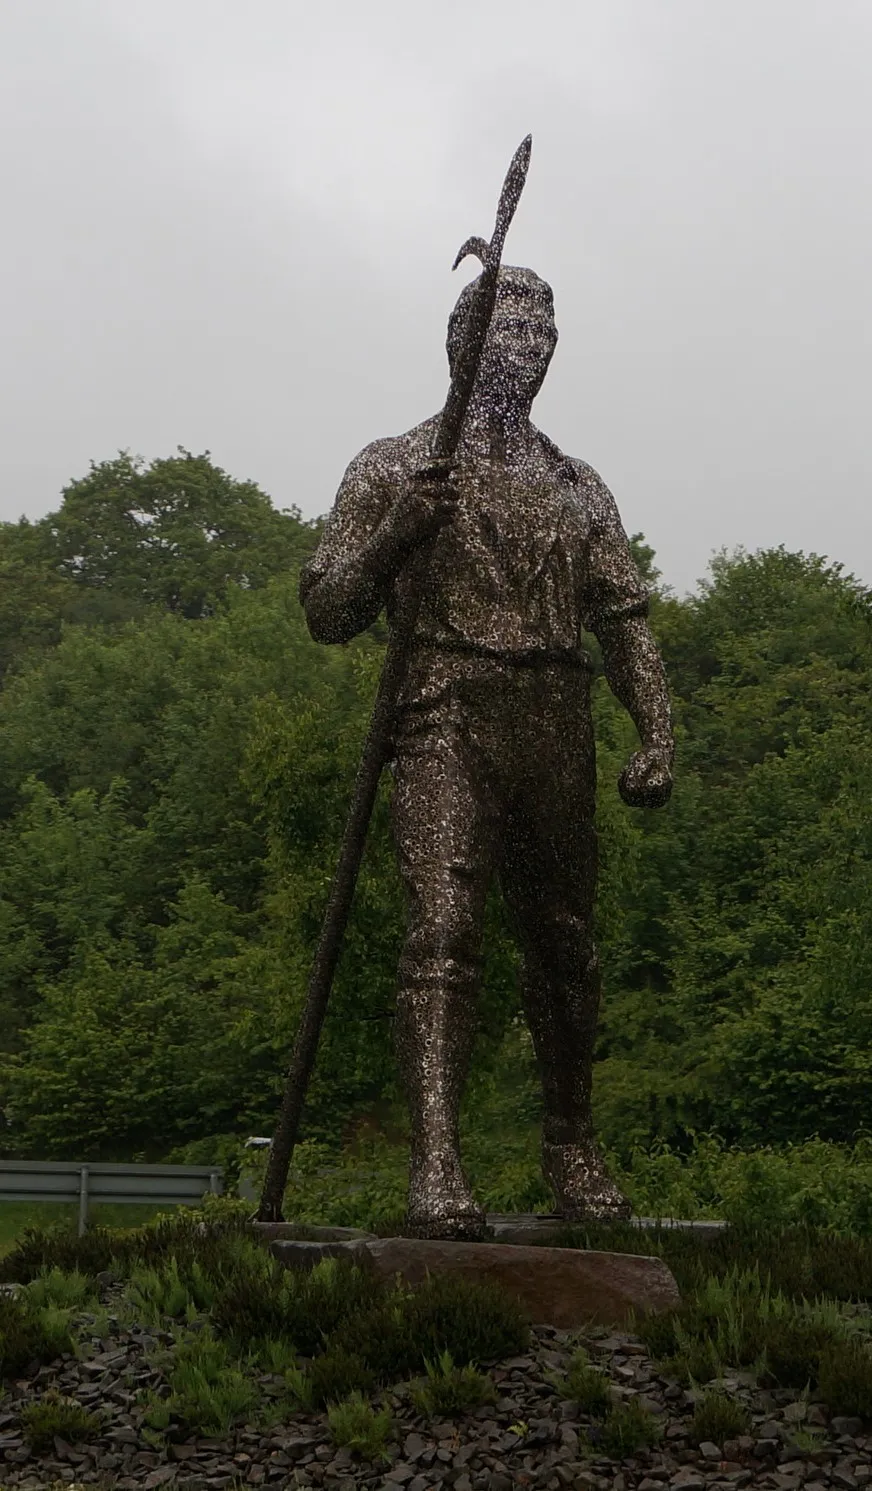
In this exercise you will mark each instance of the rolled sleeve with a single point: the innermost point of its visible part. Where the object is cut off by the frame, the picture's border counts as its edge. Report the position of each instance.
(361, 503)
(613, 588)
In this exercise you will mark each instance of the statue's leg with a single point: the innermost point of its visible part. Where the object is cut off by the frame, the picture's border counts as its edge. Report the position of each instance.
(548, 875)
(443, 822)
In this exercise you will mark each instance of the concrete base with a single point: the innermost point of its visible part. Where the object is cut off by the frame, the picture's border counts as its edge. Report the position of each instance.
(519, 1228)
(524, 1228)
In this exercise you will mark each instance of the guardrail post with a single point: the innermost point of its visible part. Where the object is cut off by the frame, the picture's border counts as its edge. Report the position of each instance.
(83, 1200)
(213, 1182)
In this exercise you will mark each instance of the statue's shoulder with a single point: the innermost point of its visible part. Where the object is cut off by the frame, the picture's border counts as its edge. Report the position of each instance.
(395, 456)
(580, 476)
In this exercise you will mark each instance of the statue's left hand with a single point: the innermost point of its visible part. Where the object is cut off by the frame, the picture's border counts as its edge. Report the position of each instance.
(646, 781)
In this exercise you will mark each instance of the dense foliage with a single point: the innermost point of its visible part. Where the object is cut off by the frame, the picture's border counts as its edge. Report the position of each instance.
(788, 1308)
(176, 758)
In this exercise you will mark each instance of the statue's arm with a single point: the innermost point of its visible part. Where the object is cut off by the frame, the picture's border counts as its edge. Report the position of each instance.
(635, 675)
(344, 585)
(616, 612)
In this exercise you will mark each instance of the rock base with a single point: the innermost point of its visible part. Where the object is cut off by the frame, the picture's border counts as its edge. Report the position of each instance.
(561, 1287)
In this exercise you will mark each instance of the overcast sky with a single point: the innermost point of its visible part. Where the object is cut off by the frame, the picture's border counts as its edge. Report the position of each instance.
(230, 226)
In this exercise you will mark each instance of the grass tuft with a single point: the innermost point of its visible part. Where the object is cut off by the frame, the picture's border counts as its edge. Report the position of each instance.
(354, 1424)
(208, 1391)
(335, 1374)
(473, 1322)
(845, 1378)
(627, 1429)
(449, 1390)
(52, 1288)
(55, 1416)
(718, 1417)
(586, 1386)
(30, 1336)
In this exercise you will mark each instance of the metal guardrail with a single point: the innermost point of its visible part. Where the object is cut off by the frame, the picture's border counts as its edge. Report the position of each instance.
(142, 1185)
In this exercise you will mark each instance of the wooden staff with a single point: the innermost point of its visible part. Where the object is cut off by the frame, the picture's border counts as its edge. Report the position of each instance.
(378, 740)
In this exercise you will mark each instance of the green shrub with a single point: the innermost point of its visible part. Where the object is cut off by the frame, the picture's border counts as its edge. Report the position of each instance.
(806, 1439)
(659, 1333)
(335, 1374)
(586, 1385)
(298, 1389)
(355, 1425)
(798, 1262)
(474, 1322)
(448, 1390)
(54, 1415)
(736, 1320)
(813, 1184)
(845, 1378)
(64, 1291)
(362, 1186)
(190, 1235)
(627, 1429)
(792, 1349)
(30, 1337)
(261, 1299)
(40, 1249)
(169, 1291)
(273, 1354)
(208, 1393)
(697, 1361)
(718, 1417)
(158, 1413)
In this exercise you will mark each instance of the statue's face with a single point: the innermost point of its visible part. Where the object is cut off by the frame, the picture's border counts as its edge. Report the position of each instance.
(519, 347)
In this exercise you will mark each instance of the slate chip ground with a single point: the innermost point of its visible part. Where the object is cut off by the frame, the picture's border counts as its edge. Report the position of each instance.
(531, 1438)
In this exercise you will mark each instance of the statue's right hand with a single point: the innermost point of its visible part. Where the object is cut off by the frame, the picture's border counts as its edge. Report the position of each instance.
(427, 502)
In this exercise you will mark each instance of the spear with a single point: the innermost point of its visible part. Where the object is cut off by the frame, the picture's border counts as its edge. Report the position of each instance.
(379, 738)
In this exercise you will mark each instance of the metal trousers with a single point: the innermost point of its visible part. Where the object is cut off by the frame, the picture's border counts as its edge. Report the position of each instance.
(495, 773)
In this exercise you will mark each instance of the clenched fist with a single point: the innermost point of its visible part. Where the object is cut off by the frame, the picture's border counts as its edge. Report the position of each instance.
(646, 781)
(428, 501)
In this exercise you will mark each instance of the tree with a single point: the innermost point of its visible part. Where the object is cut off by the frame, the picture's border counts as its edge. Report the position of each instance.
(175, 533)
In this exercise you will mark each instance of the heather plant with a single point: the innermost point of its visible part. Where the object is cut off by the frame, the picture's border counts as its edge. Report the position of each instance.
(717, 1417)
(738, 1321)
(475, 1322)
(155, 1294)
(298, 1389)
(448, 1390)
(206, 1236)
(797, 1262)
(41, 1249)
(56, 1416)
(30, 1336)
(627, 1428)
(273, 1354)
(845, 1377)
(356, 1425)
(52, 1287)
(335, 1374)
(260, 1300)
(585, 1385)
(208, 1391)
(157, 1413)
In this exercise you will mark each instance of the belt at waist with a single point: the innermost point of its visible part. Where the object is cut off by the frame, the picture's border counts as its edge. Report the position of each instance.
(530, 657)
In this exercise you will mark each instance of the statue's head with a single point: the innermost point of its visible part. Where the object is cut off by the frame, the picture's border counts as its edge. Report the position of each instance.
(521, 337)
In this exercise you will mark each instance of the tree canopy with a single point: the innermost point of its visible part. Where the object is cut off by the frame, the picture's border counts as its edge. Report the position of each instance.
(176, 761)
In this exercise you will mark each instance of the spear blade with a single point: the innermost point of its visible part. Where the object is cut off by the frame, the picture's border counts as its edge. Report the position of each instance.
(481, 310)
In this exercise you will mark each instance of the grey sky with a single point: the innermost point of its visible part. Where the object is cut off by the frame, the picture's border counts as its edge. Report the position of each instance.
(230, 226)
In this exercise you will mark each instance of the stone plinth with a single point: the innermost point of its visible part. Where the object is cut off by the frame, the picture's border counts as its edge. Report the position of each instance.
(563, 1287)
